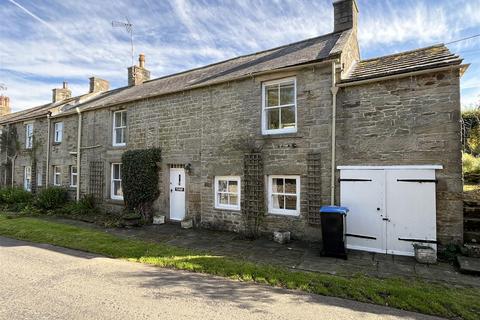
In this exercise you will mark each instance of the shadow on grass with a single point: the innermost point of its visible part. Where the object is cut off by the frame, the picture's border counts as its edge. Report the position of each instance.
(408, 295)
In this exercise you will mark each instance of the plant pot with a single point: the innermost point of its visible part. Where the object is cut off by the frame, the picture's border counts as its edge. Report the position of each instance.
(425, 254)
(159, 220)
(132, 221)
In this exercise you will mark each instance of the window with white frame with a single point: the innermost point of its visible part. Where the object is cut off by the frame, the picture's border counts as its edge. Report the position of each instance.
(27, 178)
(116, 191)
(39, 179)
(227, 192)
(29, 135)
(73, 176)
(58, 132)
(119, 127)
(284, 195)
(57, 176)
(279, 106)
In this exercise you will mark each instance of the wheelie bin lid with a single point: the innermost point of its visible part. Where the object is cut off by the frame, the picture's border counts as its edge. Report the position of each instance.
(334, 209)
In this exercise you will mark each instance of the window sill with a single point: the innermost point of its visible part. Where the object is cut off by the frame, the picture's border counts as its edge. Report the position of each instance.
(232, 210)
(284, 214)
(284, 135)
(115, 201)
(119, 145)
(56, 143)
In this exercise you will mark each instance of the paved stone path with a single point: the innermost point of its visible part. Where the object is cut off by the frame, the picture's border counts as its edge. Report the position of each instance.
(295, 255)
(41, 281)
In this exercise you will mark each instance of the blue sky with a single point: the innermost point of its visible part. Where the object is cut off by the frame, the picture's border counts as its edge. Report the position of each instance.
(45, 42)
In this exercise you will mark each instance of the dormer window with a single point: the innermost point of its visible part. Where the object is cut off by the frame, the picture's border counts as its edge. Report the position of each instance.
(119, 128)
(279, 106)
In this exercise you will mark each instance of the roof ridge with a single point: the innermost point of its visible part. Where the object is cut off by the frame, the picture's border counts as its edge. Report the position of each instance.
(408, 51)
(245, 55)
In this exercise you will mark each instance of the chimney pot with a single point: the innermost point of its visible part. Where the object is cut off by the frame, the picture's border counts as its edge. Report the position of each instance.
(60, 94)
(138, 74)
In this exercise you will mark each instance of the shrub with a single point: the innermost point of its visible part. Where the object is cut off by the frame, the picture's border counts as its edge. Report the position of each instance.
(85, 207)
(14, 196)
(471, 164)
(140, 181)
(51, 198)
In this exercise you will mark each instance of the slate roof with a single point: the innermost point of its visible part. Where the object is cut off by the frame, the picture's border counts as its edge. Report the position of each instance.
(420, 59)
(43, 110)
(298, 53)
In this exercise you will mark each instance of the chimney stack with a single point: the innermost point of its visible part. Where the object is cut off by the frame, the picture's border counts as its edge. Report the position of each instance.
(60, 94)
(4, 105)
(98, 85)
(138, 74)
(345, 15)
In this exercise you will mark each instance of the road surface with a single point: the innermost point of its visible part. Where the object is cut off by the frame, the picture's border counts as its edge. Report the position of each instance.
(46, 282)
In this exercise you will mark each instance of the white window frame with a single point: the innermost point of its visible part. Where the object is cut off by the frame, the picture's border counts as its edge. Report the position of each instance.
(287, 212)
(29, 135)
(115, 128)
(72, 175)
(27, 171)
(218, 205)
(278, 82)
(57, 176)
(58, 132)
(112, 180)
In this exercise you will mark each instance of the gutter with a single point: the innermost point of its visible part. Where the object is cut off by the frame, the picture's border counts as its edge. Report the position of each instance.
(402, 75)
(334, 90)
(79, 148)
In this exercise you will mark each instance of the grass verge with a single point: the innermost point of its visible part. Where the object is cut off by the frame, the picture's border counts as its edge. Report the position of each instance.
(403, 294)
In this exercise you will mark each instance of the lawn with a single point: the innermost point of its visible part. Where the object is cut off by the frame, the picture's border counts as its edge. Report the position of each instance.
(419, 296)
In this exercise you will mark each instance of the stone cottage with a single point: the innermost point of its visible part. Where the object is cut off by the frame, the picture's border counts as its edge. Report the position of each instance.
(279, 132)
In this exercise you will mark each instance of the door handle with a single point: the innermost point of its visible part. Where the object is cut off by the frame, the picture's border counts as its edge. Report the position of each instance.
(385, 219)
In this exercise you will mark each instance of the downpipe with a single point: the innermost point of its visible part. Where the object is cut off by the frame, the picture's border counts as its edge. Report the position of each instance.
(79, 148)
(334, 90)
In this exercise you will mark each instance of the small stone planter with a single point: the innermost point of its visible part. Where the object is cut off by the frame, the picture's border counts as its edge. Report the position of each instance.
(425, 254)
(159, 220)
(281, 236)
(132, 221)
(187, 224)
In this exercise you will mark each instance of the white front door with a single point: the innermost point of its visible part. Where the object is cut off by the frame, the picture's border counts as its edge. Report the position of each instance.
(362, 191)
(177, 194)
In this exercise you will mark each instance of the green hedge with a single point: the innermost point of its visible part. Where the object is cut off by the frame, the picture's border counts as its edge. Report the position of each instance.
(140, 180)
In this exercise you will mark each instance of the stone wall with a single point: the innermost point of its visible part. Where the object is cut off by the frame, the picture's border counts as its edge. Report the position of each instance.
(409, 121)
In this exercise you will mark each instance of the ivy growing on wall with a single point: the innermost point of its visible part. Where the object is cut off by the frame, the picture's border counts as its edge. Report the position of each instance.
(140, 181)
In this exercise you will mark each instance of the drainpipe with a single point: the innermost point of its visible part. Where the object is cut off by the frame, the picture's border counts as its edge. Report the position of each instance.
(47, 169)
(79, 145)
(334, 90)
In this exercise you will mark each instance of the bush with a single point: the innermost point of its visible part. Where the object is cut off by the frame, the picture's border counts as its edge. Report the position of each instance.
(86, 207)
(471, 164)
(12, 195)
(51, 198)
(14, 198)
(140, 181)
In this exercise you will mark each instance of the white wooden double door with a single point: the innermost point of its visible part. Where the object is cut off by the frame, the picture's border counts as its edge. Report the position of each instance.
(390, 209)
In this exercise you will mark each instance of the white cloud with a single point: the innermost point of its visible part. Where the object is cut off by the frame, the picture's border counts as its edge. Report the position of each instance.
(49, 41)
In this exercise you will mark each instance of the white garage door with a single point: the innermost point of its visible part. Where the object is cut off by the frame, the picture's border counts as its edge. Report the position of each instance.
(391, 208)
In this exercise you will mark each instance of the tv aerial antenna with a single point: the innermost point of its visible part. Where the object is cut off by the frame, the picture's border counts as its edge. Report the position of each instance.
(128, 26)
(3, 87)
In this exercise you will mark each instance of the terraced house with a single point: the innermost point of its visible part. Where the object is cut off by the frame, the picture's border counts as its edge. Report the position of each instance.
(278, 133)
